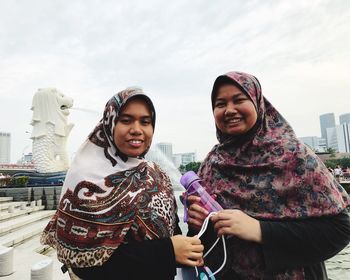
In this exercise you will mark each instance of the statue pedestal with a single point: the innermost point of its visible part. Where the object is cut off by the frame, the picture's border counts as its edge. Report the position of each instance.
(36, 179)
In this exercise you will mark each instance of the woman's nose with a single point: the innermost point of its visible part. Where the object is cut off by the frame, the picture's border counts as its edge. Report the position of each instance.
(230, 109)
(135, 129)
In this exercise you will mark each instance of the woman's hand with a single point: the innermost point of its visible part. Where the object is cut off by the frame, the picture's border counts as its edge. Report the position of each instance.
(237, 223)
(196, 213)
(188, 250)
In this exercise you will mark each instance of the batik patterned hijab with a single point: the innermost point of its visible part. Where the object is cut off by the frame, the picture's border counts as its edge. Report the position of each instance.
(108, 198)
(267, 173)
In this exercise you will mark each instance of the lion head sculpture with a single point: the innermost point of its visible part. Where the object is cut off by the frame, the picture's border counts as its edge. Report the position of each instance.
(50, 106)
(50, 130)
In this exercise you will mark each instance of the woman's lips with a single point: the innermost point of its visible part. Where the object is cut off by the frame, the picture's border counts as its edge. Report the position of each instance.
(233, 121)
(135, 143)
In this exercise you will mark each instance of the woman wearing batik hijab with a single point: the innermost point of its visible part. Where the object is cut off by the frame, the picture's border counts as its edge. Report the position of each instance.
(284, 212)
(117, 214)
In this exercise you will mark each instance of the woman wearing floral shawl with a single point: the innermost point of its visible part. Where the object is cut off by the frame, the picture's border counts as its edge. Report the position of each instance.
(117, 214)
(284, 212)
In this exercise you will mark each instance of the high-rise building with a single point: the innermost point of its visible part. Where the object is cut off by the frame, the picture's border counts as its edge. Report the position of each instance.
(188, 157)
(339, 138)
(344, 118)
(177, 160)
(166, 149)
(332, 141)
(5, 147)
(316, 143)
(326, 121)
(183, 158)
(26, 159)
(343, 137)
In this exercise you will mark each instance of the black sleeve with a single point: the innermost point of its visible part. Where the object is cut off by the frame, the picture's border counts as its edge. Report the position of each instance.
(295, 243)
(177, 229)
(191, 232)
(151, 259)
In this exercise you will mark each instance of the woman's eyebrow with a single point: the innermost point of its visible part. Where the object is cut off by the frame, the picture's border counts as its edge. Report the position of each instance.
(238, 94)
(219, 100)
(126, 115)
(235, 95)
(132, 116)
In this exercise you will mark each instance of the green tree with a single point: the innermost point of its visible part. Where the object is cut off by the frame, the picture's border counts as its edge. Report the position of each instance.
(182, 169)
(192, 166)
(343, 162)
(19, 181)
(331, 151)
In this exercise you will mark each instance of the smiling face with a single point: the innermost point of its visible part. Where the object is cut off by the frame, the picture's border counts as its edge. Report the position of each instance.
(234, 112)
(133, 131)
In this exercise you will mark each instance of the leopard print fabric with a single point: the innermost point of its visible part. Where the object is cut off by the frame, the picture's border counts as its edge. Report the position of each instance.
(138, 202)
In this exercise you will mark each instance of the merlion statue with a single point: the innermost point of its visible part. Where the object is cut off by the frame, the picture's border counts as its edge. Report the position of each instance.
(50, 130)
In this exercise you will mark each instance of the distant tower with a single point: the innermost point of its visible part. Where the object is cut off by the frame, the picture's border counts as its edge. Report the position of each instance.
(343, 135)
(166, 149)
(345, 118)
(316, 143)
(5, 147)
(339, 138)
(326, 121)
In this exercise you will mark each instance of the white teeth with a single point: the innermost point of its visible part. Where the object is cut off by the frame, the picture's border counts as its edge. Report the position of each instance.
(233, 120)
(135, 141)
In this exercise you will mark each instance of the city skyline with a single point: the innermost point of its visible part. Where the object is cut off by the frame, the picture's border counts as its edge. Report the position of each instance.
(90, 51)
(334, 134)
(312, 140)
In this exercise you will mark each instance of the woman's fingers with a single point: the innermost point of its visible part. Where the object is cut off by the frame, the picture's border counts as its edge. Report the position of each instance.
(236, 222)
(195, 240)
(200, 262)
(193, 199)
(188, 250)
(222, 223)
(195, 256)
(192, 253)
(190, 262)
(197, 252)
(194, 223)
(195, 205)
(224, 231)
(196, 216)
(199, 209)
(198, 248)
(223, 215)
(196, 213)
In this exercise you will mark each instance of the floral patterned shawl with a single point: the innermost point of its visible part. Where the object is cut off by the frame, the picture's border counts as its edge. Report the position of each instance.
(108, 198)
(267, 173)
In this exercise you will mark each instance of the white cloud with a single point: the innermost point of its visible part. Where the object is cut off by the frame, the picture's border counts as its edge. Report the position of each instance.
(174, 50)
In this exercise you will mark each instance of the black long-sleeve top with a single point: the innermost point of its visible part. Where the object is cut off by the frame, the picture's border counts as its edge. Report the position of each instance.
(304, 243)
(286, 244)
(150, 259)
(298, 243)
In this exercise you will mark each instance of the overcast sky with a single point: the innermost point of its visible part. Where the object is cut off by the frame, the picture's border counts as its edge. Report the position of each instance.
(174, 50)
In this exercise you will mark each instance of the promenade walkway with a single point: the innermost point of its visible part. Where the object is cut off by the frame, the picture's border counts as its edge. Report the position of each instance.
(21, 229)
(21, 224)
